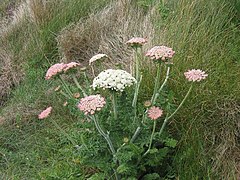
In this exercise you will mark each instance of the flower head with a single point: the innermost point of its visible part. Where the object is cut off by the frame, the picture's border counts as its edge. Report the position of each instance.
(91, 104)
(97, 57)
(195, 75)
(54, 70)
(160, 53)
(113, 79)
(136, 42)
(45, 113)
(70, 66)
(154, 113)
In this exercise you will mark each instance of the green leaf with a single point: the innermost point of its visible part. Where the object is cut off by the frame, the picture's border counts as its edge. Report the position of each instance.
(171, 142)
(152, 176)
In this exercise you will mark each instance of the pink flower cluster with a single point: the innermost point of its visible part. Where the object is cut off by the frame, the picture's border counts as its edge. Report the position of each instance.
(59, 68)
(160, 52)
(91, 103)
(195, 75)
(136, 42)
(154, 113)
(45, 113)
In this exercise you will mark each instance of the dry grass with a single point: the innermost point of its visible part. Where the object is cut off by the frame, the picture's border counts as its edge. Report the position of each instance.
(10, 73)
(224, 138)
(105, 32)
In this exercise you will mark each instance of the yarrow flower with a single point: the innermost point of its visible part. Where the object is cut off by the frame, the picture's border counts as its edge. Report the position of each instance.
(45, 113)
(195, 75)
(154, 113)
(54, 70)
(160, 53)
(91, 104)
(97, 57)
(136, 42)
(70, 66)
(113, 79)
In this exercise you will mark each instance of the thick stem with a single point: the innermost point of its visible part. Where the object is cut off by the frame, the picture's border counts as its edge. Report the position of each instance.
(109, 142)
(134, 103)
(78, 85)
(163, 84)
(65, 86)
(106, 136)
(157, 81)
(151, 138)
(135, 134)
(114, 102)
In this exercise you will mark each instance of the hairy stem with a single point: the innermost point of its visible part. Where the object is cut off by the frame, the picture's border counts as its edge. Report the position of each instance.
(65, 86)
(184, 99)
(151, 138)
(114, 102)
(163, 84)
(157, 81)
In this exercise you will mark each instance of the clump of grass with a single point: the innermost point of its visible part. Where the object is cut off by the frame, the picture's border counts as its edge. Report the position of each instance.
(105, 32)
(206, 38)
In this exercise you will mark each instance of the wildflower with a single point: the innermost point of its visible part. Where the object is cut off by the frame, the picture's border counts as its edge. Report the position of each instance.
(76, 95)
(136, 42)
(97, 57)
(113, 79)
(195, 75)
(147, 103)
(54, 70)
(70, 66)
(154, 113)
(91, 104)
(160, 53)
(45, 113)
(125, 140)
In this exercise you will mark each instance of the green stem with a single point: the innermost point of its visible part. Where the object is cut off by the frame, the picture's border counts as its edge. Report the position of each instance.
(64, 94)
(114, 102)
(157, 81)
(63, 132)
(180, 105)
(87, 81)
(109, 142)
(78, 85)
(163, 84)
(151, 138)
(65, 86)
(135, 134)
(134, 103)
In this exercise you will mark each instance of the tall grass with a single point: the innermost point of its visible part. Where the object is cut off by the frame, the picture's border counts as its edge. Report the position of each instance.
(204, 36)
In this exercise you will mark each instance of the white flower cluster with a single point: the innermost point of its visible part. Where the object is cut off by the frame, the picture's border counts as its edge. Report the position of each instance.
(113, 79)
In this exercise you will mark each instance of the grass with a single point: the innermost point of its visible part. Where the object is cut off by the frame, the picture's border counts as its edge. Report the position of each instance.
(202, 36)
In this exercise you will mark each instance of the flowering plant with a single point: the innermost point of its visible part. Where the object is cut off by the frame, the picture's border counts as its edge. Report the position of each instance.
(132, 129)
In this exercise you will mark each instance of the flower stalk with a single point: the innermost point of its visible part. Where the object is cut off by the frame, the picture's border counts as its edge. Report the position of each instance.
(163, 84)
(78, 85)
(65, 86)
(114, 102)
(157, 82)
(151, 139)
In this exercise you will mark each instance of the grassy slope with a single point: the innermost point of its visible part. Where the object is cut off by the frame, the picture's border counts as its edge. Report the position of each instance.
(202, 40)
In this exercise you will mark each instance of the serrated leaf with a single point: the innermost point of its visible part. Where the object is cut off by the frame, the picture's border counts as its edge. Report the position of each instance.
(171, 142)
